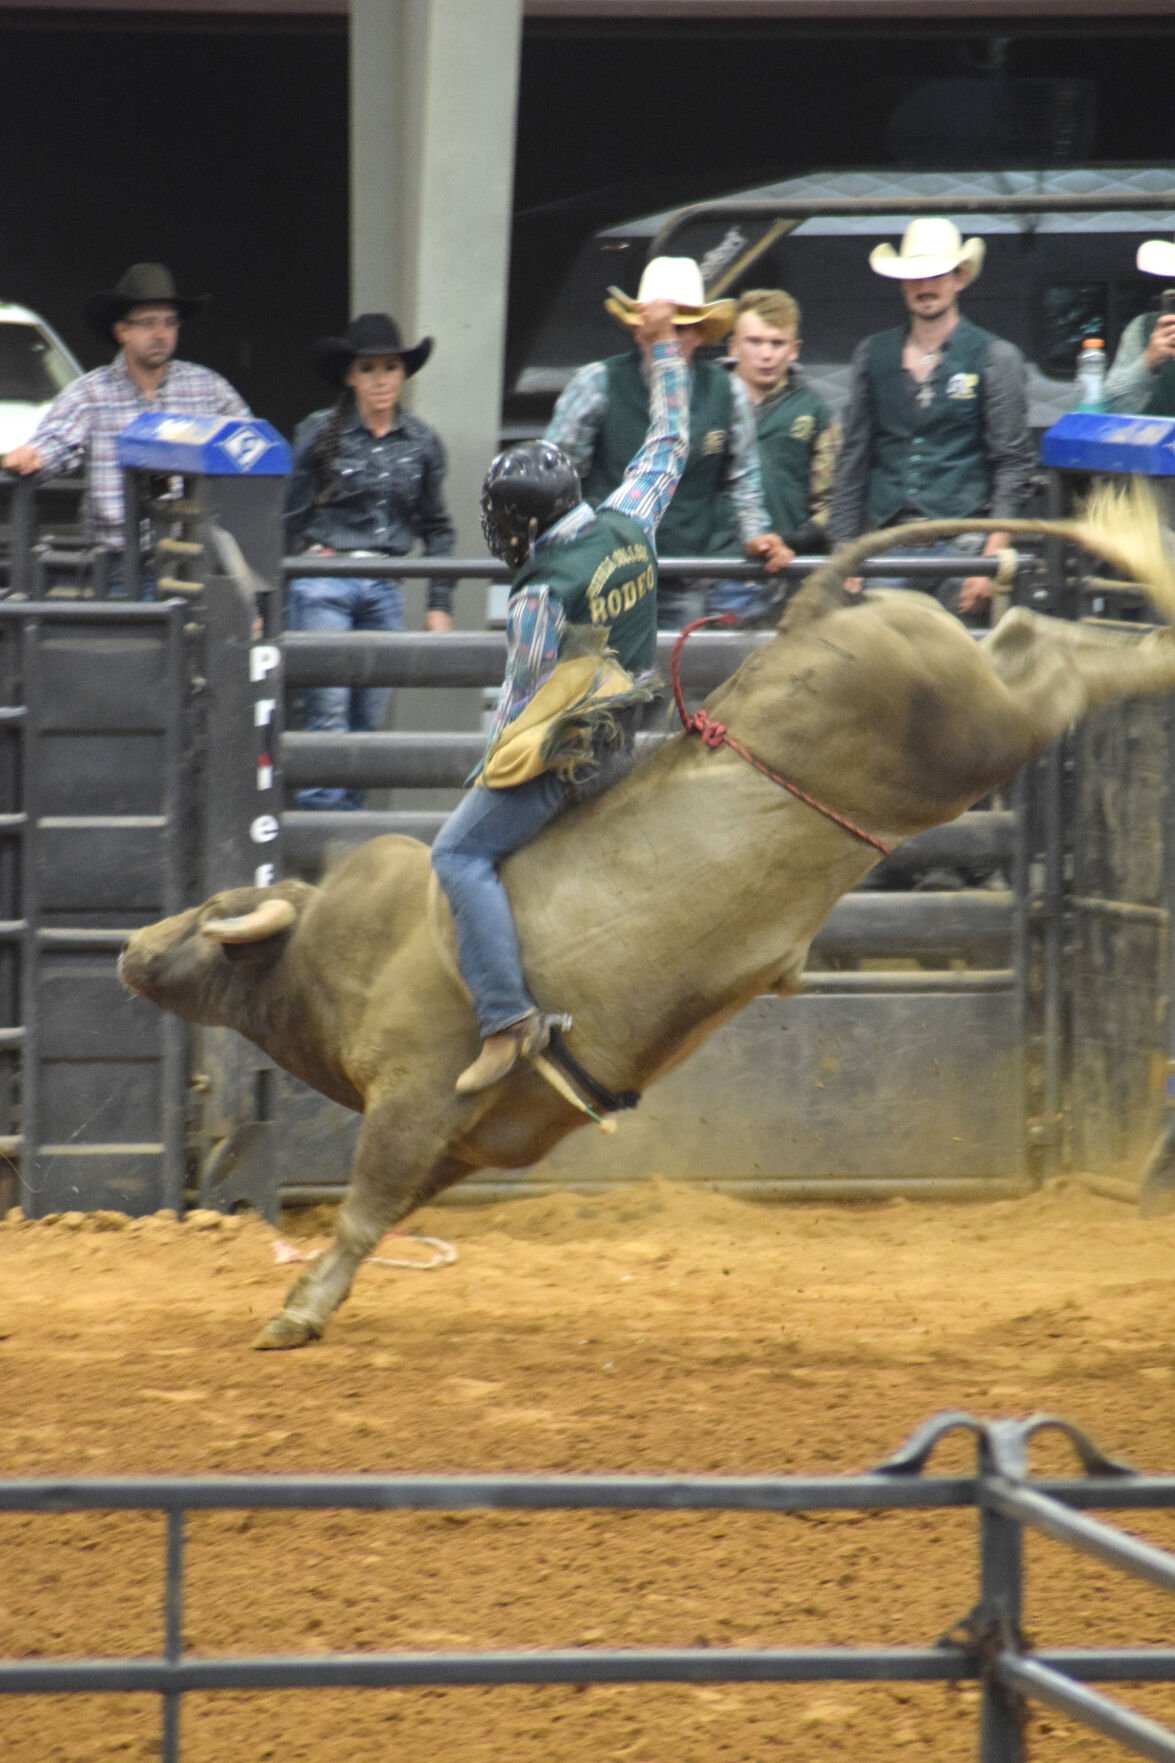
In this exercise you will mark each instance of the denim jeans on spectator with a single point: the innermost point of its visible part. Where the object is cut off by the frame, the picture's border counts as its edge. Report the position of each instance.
(946, 589)
(115, 578)
(342, 603)
(478, 835)
(745, 599)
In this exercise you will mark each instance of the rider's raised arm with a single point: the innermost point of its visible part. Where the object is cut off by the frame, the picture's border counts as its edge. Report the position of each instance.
(647, 487)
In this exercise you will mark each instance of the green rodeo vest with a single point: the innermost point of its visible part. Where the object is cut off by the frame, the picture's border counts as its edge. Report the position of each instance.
(687, 527)
(605, 576)
(789, 427)
(930, 459)
(1161, 398)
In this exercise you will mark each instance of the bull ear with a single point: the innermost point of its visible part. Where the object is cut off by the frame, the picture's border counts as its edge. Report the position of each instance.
(266, 920)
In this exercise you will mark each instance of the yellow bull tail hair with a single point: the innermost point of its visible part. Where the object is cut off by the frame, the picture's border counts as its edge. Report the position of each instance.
(1123, 525)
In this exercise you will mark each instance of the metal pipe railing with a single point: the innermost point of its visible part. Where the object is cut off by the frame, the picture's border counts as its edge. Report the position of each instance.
(988, 1645)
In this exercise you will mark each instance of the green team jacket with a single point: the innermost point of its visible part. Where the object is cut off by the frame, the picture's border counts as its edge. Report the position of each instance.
(788, 425)
(930, 458)
(606, 575)
(688, 526)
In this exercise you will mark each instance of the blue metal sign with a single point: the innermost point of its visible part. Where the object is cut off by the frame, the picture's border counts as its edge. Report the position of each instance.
(211, 446)
(1089, 441)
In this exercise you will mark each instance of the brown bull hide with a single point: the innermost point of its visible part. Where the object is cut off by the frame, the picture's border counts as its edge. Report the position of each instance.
(659, 910)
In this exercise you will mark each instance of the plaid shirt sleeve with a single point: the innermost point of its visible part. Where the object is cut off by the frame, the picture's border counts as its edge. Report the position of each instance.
(655, 469)
(744, 474)
(63, 433)
(534, 625)
(577, 417)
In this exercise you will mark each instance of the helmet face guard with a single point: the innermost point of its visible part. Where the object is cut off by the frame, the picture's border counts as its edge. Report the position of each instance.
(527, 488)
(504, 539)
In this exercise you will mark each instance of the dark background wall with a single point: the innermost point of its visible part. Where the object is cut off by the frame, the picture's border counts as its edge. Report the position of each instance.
(221, 147)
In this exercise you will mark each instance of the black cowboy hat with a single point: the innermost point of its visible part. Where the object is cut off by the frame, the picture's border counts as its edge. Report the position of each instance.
(143, 284)
(372, 333)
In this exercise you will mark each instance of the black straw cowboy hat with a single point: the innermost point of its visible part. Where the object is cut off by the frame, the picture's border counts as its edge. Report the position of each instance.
(143, 284)
(372, 333)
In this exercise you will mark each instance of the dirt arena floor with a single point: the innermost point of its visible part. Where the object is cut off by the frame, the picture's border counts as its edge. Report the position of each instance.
(660, 1328)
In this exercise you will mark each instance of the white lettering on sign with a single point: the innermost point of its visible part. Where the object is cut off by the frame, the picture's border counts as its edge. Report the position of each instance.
(263, 659)
(264, 875)
(263, 829)
(263, 711)
(264, 772)
(717, 258)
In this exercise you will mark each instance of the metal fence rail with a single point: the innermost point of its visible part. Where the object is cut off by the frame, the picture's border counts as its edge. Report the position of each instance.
(986, 1646)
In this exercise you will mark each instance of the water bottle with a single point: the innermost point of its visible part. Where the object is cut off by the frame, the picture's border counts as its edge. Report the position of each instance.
(1091, 375)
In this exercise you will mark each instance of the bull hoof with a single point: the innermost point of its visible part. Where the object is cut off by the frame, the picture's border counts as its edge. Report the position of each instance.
(284, 1331)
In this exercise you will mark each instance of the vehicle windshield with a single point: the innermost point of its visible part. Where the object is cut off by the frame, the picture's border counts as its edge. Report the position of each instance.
(32, 368)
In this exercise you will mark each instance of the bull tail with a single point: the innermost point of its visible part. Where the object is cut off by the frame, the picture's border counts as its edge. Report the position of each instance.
(1118, 523)
(1123, 526)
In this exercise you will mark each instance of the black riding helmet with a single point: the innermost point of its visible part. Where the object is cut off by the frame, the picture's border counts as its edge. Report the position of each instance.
(527, 488)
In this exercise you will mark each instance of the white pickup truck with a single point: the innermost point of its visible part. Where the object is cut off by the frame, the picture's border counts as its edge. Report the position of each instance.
(34, 366)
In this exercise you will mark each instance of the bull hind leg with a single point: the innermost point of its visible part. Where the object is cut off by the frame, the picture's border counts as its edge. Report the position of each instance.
(1057, 671)
(376, 1199)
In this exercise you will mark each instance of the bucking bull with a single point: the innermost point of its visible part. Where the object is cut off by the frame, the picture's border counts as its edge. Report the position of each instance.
(655, 912)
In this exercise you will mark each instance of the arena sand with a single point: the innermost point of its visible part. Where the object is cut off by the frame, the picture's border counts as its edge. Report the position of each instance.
(659, 1328)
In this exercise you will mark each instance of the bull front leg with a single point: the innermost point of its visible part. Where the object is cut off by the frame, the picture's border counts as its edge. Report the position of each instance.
(393, 1171)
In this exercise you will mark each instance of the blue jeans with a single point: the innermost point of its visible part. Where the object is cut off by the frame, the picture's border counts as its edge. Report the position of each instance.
(745, 599)
(342, 603)
(485, 827)
(946, 591)
(116, 578)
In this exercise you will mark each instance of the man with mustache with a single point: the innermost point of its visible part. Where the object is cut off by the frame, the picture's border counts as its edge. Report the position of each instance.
(937, 424)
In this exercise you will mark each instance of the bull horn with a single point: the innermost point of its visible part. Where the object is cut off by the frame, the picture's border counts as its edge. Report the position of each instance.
(264, 921)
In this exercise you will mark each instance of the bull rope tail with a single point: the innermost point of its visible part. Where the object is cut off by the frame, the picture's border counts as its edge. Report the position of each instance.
(715, 734)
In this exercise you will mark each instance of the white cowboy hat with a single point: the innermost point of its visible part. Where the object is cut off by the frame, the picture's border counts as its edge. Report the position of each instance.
(679, 280)
(929, 247)
(1157, 257)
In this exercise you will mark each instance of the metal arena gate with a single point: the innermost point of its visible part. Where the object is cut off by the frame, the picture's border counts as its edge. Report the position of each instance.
(987, 1645)
(94, 793)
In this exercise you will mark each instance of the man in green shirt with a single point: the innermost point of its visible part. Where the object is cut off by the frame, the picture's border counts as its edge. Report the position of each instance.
(603, 411)
(937, 423)
(798, 437)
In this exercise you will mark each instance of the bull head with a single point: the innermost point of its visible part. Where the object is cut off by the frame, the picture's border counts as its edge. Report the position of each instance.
(196, 963)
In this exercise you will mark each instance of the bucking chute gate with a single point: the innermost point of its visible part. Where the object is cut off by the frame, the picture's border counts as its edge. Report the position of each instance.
(954, 1041)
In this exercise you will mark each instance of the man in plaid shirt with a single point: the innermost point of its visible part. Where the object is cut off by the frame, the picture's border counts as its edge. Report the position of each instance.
(142, 315)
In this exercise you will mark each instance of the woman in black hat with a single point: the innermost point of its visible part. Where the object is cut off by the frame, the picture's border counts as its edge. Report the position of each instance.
(368, 482)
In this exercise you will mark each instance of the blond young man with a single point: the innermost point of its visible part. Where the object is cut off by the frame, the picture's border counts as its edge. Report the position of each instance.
(798, 435)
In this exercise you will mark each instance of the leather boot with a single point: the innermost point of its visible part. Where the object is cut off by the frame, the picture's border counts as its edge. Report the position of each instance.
(500, 1053)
